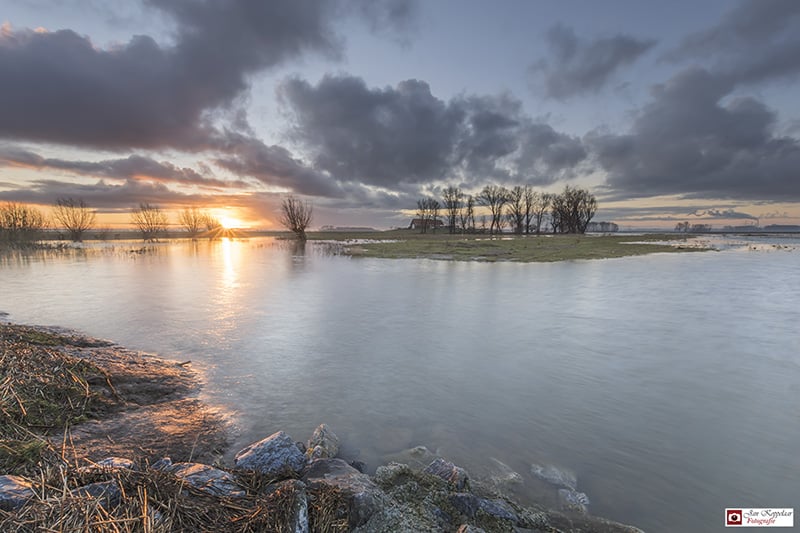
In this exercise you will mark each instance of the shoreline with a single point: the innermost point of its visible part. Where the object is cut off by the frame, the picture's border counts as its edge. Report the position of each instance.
(144, 408)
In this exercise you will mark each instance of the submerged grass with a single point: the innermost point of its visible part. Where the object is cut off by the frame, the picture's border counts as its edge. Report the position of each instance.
(524, 248)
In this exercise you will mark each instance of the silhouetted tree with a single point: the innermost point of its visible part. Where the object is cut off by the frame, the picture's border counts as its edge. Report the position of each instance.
(74, 216)
(428, 214)
(494, 197)
(20, 224)
(452, 200)
(572, 210)
(296, 216)
(193, 220)
(516, 209)
(467, 215)
(540, 205)
(150, 220)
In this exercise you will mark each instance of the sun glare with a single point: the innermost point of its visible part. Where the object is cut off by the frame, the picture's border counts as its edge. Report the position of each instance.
(230, 222)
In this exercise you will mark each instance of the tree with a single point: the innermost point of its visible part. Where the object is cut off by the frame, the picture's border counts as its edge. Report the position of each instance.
(572, 210)
(150, 220)
(76, 217)
(467, 215)
(212, 223)
(428, 214)
(540, 205)
(20, 223)
(494, 197)
(683, 227)
(452, 199)
(296, 216)
(516, 209)
(193, 220)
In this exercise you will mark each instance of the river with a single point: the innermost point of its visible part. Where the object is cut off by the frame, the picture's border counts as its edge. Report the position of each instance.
(669, 383)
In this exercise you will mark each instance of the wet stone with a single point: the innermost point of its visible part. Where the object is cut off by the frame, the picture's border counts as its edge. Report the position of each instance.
(323, 444)
(557, 476)
(455, 476)
(363, 497)
(207, 478)
(276, 455)
(14, 492)
(573, 501)
(108, 492)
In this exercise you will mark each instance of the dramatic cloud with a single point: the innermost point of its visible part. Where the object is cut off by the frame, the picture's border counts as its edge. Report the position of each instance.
(690, 141)
(722, 213)
(579, 66)
(59, 87)
(132, 167)
(756, 41)
(402, 136)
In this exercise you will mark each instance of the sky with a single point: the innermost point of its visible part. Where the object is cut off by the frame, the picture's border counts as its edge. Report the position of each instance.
(665, 111)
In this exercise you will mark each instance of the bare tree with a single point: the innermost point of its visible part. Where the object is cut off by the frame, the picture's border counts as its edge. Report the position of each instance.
(540, 205)
(516, 209)
(427, 214)
(212, 223)
(528, 201)
(572, 210)
(467, 215)
(452, 199)
(150, 220)
(20, 224)
(74, 216)
(494, 197)
(296, 216)
(193, 220)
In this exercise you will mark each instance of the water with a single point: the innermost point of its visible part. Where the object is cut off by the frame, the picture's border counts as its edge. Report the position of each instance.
(669, 383)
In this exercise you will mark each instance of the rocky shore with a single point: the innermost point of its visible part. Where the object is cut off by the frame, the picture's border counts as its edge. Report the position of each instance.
(146, 455)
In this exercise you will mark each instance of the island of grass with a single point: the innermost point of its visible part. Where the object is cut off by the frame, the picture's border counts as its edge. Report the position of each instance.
(399, 244)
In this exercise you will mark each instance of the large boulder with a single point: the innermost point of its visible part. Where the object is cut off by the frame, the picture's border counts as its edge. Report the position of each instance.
(324, 444)
(276, 456)
(14, 492)
(207, 478)
(360, 495)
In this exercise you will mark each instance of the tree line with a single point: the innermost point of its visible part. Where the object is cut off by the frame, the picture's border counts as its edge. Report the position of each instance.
(20, 224)
(521, 208)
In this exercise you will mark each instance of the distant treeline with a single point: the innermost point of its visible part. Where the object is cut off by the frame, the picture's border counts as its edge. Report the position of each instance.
(521, 208)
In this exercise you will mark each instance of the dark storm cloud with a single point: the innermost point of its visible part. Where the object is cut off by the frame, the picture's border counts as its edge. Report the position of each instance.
(579, 66)
(58, 87)
(131, 167)
(756, 41)
(693, 141)
(275, 166)
(404, 137)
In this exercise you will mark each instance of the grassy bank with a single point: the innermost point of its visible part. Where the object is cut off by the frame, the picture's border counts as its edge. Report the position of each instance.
(526, 249)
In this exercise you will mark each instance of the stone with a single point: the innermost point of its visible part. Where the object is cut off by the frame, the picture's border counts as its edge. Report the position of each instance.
(109, 464)
(363, 497)
(108, 492)
(557, 476)
(323, 443)
(162, 464)
(15, 491)
(418, 457)
(207, 478)
(276, 455)
(573, 501)
(466, 528)
(469, 504)
(298, 519)
(455, 476)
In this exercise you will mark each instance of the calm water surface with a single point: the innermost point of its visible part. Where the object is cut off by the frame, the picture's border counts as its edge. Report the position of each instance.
(669, 383)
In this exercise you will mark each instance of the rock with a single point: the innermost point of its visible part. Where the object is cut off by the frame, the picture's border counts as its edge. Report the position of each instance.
(560, 477)
(392, 474)
(207, 478)
(358, 465)
(277, 455)
(503, 477)
(469, 504)
(418, 457)
(362, 496)
(323, 444)
(573, 500)
(455, 476)
(298, 518)
(109, 464)
(108, 492)
(466, 528)
(15, 491)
